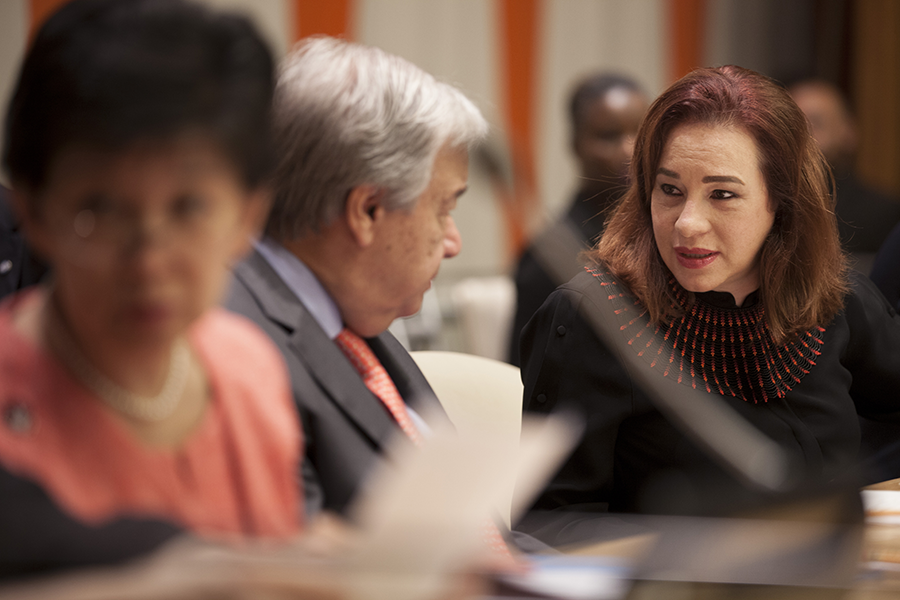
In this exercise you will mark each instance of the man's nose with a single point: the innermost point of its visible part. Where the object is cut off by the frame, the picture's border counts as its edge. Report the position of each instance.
(452, 239)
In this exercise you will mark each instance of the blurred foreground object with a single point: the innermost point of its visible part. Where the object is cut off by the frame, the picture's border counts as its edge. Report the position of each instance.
(132, 408)
(417, 534)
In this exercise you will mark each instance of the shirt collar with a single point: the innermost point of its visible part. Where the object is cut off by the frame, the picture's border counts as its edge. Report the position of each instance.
(304, 284)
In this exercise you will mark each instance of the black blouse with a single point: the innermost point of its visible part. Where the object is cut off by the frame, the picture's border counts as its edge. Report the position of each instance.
(804, 395)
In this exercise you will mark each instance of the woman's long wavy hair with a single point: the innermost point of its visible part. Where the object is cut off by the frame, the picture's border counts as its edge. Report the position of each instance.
(803, 272)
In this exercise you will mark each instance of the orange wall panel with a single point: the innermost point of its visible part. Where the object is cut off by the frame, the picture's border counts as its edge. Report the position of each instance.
(687, 29)
(519, 23)
(39, 11)
(328, 17)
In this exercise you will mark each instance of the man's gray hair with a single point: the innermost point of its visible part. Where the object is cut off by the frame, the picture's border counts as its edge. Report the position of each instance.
(347, 115)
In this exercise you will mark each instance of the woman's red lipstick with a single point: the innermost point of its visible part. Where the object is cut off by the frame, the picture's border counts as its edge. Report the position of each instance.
(695, 258)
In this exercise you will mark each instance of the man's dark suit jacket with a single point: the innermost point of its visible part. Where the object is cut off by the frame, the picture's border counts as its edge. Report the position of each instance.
(345, 426)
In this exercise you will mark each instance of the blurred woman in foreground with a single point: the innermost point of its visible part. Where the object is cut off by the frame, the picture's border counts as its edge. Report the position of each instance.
(137, 145)
(723, 270)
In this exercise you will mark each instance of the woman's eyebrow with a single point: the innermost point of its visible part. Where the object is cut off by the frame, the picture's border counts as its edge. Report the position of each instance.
(722, 179)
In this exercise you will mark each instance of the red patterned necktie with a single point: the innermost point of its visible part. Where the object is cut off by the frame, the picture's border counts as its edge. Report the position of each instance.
(377, 380)
(379, 383)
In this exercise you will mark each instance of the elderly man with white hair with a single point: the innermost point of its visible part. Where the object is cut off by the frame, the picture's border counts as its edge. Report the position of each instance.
(373, 156)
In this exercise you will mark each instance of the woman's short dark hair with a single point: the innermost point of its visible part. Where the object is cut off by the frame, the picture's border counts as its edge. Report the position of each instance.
(107, 73)
(803, 276)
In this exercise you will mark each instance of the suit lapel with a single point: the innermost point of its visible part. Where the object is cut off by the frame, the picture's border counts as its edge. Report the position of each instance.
(277, 302)
(317, 354)
(334, 373)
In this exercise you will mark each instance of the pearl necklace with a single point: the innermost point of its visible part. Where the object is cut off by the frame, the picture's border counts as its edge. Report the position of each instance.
(144, 408)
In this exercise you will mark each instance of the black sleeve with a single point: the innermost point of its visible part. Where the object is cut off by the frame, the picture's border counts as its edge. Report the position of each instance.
(872, 354)
(886, 270)
(533, 286)
(565, 366)
(873, 357)
(37, 537)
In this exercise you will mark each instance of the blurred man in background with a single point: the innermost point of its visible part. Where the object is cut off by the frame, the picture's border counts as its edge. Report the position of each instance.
(865, 215)
(605, 111)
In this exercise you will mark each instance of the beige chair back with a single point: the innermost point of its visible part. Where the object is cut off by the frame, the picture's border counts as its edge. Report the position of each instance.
(478, 394)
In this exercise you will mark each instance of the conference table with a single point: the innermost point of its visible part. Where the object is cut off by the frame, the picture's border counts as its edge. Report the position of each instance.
(745, 559)
(740, 558)
(880, 561)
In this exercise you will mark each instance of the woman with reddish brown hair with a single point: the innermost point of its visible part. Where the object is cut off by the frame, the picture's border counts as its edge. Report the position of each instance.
(723, 269)
(801, 261)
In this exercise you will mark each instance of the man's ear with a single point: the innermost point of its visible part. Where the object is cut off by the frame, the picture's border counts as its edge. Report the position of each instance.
(364, 210)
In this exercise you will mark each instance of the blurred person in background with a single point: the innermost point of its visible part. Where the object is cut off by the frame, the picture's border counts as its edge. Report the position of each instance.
(605, 111)
(886, 268)
(133, 408)
(865, 215)
(721, 270)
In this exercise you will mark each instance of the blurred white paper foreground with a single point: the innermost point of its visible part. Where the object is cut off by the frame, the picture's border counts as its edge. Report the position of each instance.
(419, 524)
(424, 515)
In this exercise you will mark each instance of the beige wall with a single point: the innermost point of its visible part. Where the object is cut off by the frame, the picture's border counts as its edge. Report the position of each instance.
(580, 37)
(13, 33)
(461, 51)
